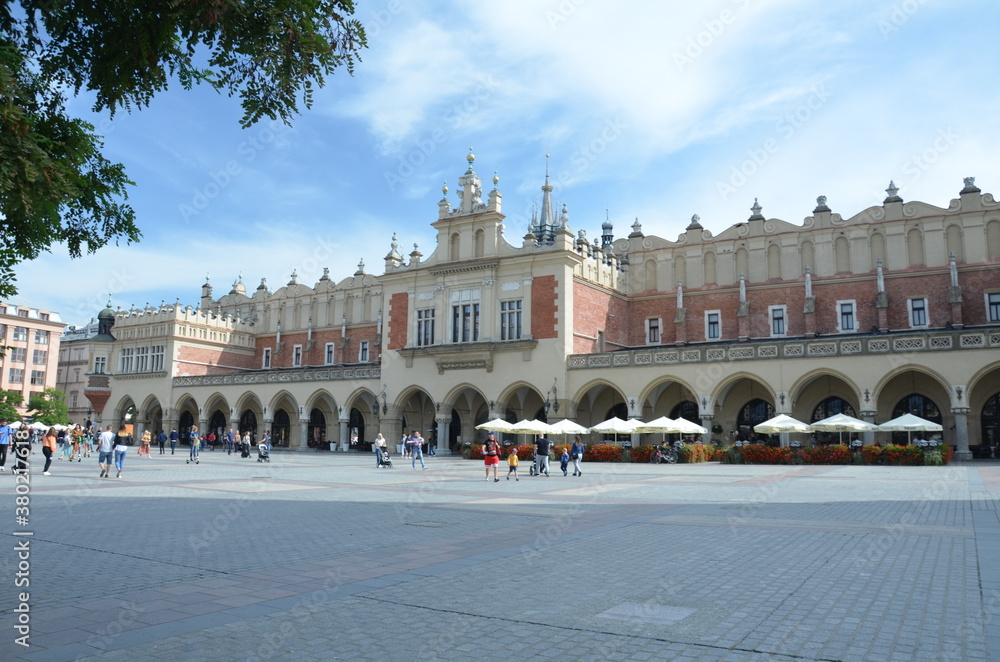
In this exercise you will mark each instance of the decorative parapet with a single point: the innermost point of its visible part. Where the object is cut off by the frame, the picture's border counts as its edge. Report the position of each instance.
(318, 374)
(930, 341)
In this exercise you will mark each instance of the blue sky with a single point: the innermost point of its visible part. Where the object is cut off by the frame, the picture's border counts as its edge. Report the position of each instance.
(649, 109)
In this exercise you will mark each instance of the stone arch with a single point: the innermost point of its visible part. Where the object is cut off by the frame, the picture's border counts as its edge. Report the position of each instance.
(993, 240)
(841, 255)
(912, 379)
(360, 408)
(980, 389)
(593, 400)
(797, 388)
(742, 262)
(680, 269)
(283, 413)
(915, 247)
(454, 243)
(773, 262)
(466, 407)
(649, 273)
(955, 242)
(125, 412)
(808, 251)
(876, 248)
(188, 415)
(478, 243)
(733, 393)
(150, 412)
(523, 399)
(417, 410)
(711, 278)
(659, 397)
(323, 418)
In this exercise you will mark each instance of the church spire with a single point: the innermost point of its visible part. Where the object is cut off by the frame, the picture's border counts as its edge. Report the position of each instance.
(546, 224)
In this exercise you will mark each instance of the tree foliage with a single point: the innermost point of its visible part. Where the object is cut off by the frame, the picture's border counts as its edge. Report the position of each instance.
(55, 184)
(49, 407)
(9, 402)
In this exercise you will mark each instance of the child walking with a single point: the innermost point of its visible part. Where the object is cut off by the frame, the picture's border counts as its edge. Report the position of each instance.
(512, 462)
(564, 462)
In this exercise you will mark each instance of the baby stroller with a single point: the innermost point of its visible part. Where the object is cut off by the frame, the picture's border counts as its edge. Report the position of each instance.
(262, 454)
(245, 449)
(384, 458)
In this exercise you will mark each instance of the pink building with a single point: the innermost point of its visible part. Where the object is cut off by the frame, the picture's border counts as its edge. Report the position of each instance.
(30, 339)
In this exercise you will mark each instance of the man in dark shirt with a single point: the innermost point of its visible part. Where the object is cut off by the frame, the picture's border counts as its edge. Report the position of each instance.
(542, 446)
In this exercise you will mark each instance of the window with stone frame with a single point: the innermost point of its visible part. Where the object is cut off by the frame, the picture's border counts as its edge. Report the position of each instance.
(993, 306)
(328, 354)
(653, 327)
(918, 312)
(778, 322)
(510, 319)
(713, 324)
(425, 326)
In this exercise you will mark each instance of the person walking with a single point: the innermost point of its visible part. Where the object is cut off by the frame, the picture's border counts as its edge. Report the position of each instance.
(564, 461)
(542, 446)
(491, 456)
(105, 451)
(576, 453)
(379, 446)
(121, 448)
(512, 462)
(48, 448)
(6, 432)
(416, 443)
(228, 442)
(404, 446)
(173, 440)
(195, 443)
(161, 441)
(144, 445)
(74, 436)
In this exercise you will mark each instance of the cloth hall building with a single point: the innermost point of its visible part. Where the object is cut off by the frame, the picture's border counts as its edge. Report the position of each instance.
(894, 309)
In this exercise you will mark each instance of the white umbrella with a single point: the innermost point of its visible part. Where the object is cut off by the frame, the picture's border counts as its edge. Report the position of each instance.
(529, 427)
(662, 424)
(909, 423)
(497, 424)
(16, 424)
(781, 423)
(842, 423)
(38, 426)
(567, 426)
(616, 425)
(687, 427)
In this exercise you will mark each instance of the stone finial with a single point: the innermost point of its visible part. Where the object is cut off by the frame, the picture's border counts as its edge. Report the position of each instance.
(970, 185)
(294, 279)
(496, 180)
(361, 268)
(892, 190)
(471, 159)
(756, 209)
(695, 223)
(326, 274)
(263, 284)
(821, 204)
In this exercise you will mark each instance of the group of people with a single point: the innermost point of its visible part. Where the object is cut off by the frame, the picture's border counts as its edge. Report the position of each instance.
(412, 446)
(492, 452)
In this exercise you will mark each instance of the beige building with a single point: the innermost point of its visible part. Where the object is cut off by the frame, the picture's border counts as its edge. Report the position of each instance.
(895, 308)
(31, 350)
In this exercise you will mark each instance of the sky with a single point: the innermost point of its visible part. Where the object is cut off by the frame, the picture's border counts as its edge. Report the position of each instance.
(648, 110)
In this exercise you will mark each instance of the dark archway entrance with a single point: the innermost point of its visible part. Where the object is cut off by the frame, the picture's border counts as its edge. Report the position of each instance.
(991, 425)
(455, 429)
(753, 413)
(688, 410)
(831, 407)
(357, 424)
(184, 428)
(918, 405)
(280, 428)
(248, 425)
(217, 424)
(317, 430)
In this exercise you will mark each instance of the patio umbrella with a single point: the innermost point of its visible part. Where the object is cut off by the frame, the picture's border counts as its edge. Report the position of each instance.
(663, 424)
(533, 426)
(16, 424)
(842, 423)
(38, 426)
(497, 424)
(617, 426)
(909, 423)
(687, 427)
(781, 423)
(567, 426)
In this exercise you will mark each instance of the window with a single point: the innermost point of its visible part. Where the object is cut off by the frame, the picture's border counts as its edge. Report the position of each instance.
(992, 306)
(465, 316)
(39, 357)
(845, 316)
(297, 356)
(777, 320)
(510, 320)
(425, 327)
(43, 316)
(18, 354)
(37, 377)
(22, 313)
(156, 356)
(918, 312)
(17, 375)
(3, 332)
(713, 325)
(41, 337)
(73, 398)
(266, 360)
(142, 359)
(20, 334)
(653, 331)
(3, 310)
(363, 352)
(100, 365)
(328, 355)
(126, 360)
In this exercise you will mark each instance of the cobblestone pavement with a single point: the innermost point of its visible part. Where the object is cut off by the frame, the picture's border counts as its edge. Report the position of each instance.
(320, 556)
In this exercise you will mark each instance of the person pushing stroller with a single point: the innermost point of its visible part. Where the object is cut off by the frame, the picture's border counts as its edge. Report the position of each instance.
(542, 446)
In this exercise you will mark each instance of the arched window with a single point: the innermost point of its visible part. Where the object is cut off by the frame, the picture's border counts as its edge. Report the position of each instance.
(831, 407)
(773, 262)
(991, 421)
(688, 410)
(877, 248)
(842, 255)
(753, 413)
(915, 247)
(680, 269)
(742, 263)
(918, 405)
(453, 241)
(710, 277)
(993, 240)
